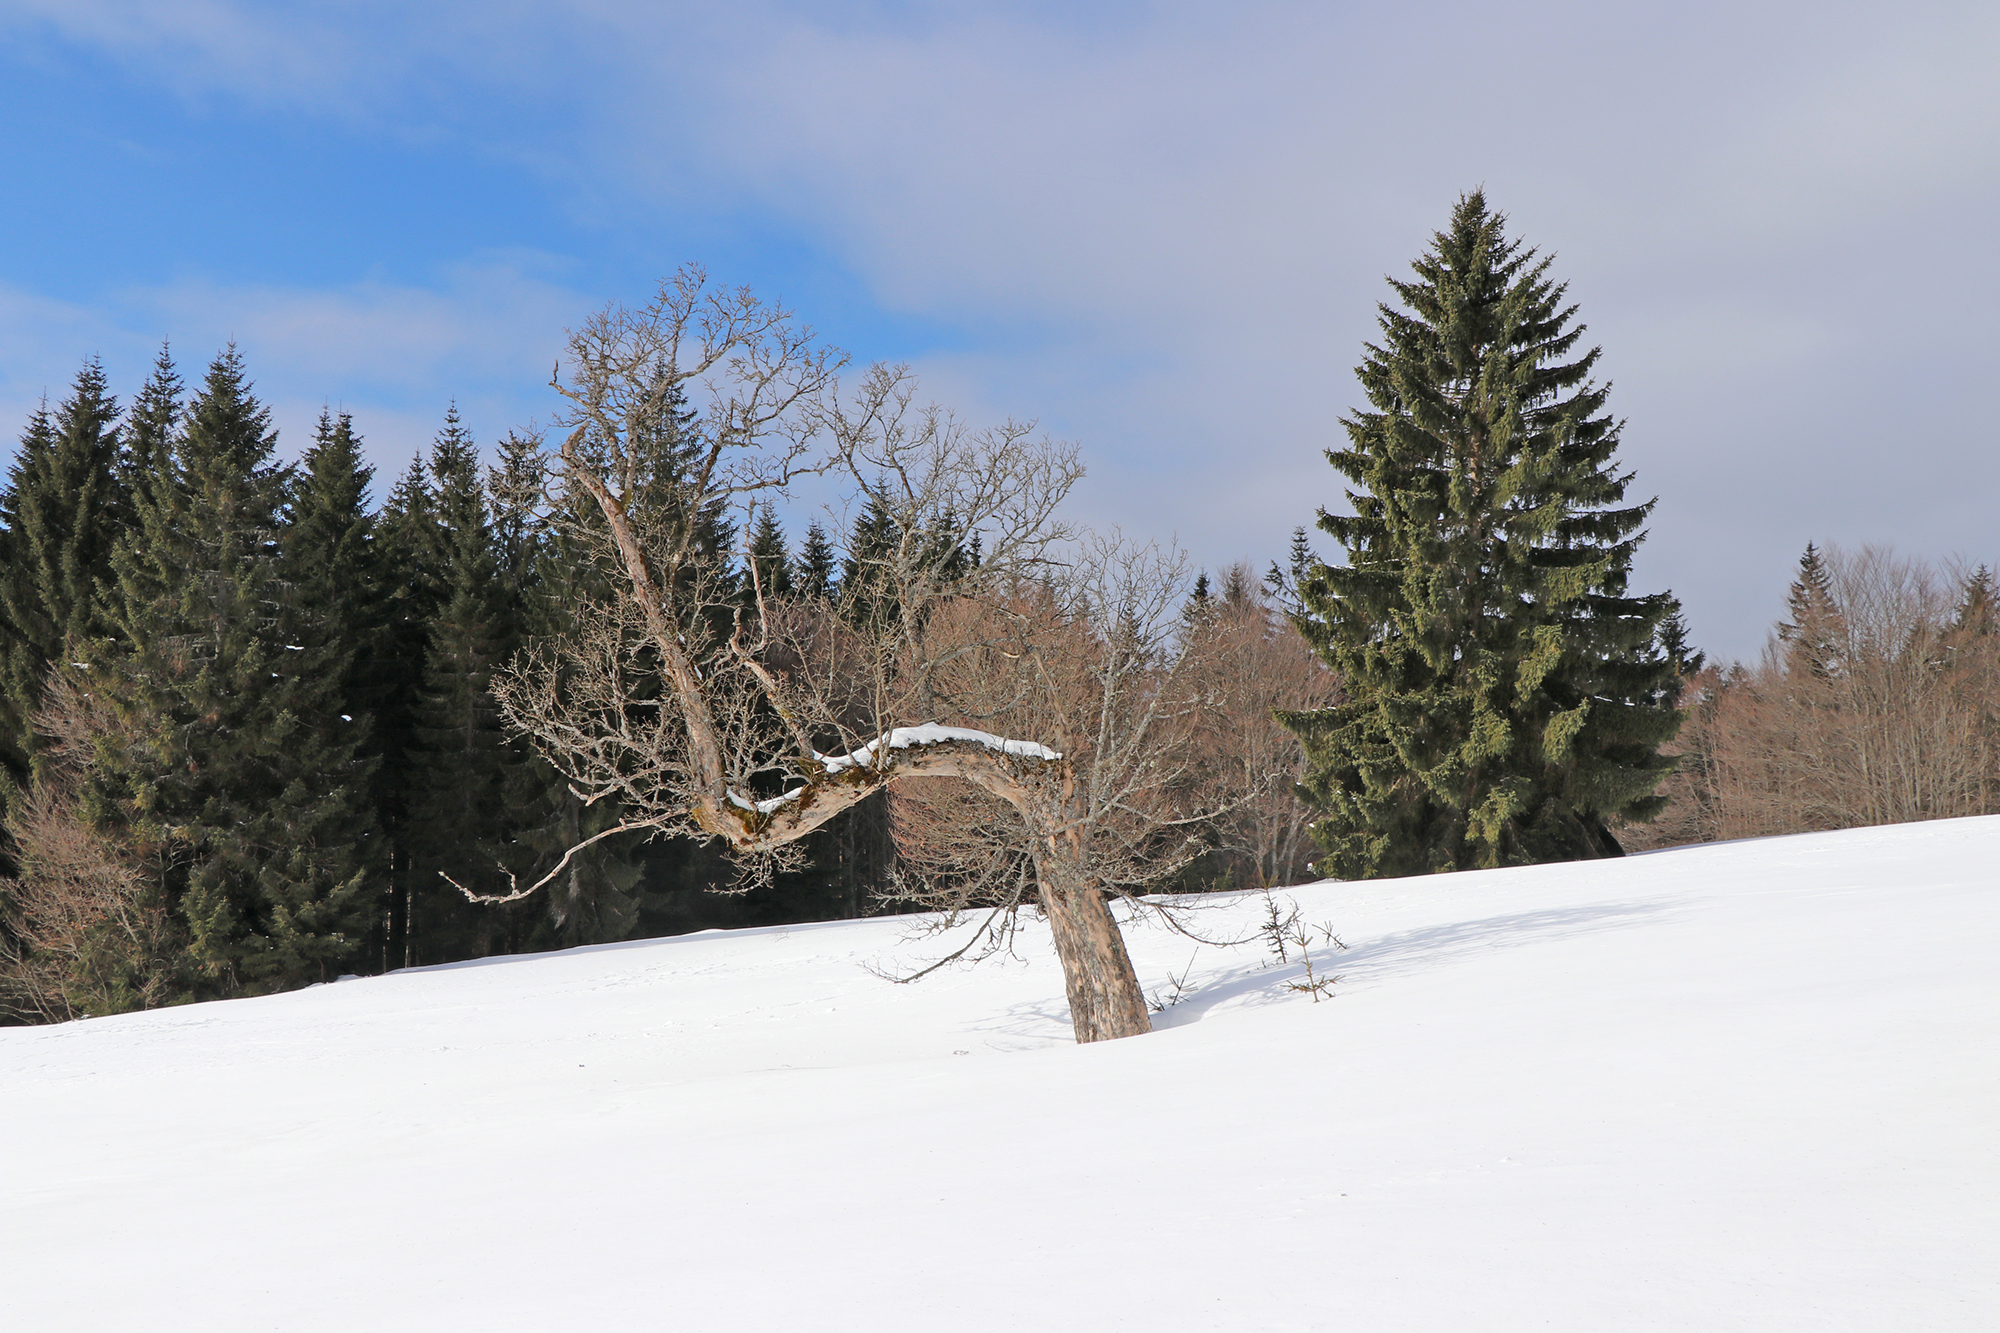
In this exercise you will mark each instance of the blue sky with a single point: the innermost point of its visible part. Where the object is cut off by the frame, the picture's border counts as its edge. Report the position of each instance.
(1159, 229)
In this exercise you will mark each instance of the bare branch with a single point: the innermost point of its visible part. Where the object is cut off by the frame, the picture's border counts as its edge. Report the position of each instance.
(517, 893)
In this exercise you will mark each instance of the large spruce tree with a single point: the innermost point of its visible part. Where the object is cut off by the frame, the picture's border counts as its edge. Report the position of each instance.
(62, 509)
(231, 751)
(1505, 700)
(462, 754)
(406, 549)
(335, 598)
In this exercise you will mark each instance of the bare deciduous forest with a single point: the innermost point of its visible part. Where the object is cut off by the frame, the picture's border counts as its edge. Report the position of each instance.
(1877, 701)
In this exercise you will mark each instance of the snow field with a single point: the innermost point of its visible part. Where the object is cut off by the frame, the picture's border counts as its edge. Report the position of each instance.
(1748, 1086)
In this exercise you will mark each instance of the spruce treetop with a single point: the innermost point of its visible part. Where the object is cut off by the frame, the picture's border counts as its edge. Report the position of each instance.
(332, 479)
(152, 422)
(818, 567)
(1978, 609)
(226, 423)
(1813, 626)
(768, 554)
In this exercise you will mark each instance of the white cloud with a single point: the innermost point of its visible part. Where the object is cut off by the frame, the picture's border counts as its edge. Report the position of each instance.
(496, 318)
(1162, 228)
(487, 333)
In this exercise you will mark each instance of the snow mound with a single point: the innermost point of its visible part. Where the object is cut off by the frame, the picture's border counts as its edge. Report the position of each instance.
(1741, 1087)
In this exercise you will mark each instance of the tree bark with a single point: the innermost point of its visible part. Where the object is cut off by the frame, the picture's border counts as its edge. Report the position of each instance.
(1105, 1001)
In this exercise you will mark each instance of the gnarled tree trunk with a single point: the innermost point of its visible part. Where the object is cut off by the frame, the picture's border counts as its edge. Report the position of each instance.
(1105, 1001)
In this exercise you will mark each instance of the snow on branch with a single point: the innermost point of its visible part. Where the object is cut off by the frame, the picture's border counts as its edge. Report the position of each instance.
(771, 806)
(930, 733)
(902, 738)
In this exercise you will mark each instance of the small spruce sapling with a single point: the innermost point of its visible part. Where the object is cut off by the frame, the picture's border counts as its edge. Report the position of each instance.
(1283, 931)
(1160, 1003)
(1278, 925)
(1315, 984)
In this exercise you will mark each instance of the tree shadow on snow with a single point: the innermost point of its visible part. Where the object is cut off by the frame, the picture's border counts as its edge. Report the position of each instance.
(1256, 984)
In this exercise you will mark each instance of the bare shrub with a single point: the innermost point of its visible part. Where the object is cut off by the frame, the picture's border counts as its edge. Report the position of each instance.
(1093, 660)
(87, 930)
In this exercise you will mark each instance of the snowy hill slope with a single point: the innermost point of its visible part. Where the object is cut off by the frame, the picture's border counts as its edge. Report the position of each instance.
(1752, 1086)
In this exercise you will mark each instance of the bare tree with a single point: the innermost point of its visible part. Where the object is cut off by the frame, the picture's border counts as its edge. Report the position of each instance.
(1092, 659)
(1253, 660)
(1876, 702)
(86, 930)
(973, 643)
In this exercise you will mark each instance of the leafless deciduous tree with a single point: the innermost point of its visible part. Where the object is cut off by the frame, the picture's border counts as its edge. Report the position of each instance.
(1096, 661)
(1252, 661)
(85, 931)
(972, 643)
(1877, 702)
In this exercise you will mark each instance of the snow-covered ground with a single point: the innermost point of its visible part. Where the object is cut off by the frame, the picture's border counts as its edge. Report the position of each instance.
(1752, 1086)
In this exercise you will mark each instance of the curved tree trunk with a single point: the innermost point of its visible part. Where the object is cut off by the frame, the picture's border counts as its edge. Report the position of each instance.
(1104, 996)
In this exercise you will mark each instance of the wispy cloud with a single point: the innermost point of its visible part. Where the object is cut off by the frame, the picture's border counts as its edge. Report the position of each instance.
(487, 334)
(1161, 228)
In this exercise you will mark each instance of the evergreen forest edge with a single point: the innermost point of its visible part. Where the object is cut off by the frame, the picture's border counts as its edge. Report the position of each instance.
(300, 681)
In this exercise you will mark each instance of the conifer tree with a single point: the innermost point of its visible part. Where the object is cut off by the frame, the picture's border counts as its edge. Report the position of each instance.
(1973, 646)
(232, 752)
(63, 508)
(409, 523)
(1284, 581)
(858, 846)
(548, 574)
(458, 805)
(1236, 593)
(1687, 660)
(407, 555)
(870, 546)
(336, 599)
(605, 889)
(601, 894)
(1200, 603)
(329, 552)
(818, 567)
(150, 425)
(521, 532)
(1978, 609)
(1813, 626)
(671, 445)
(877, 543)
(1504, 698)
(668, 447)
(768, 555)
